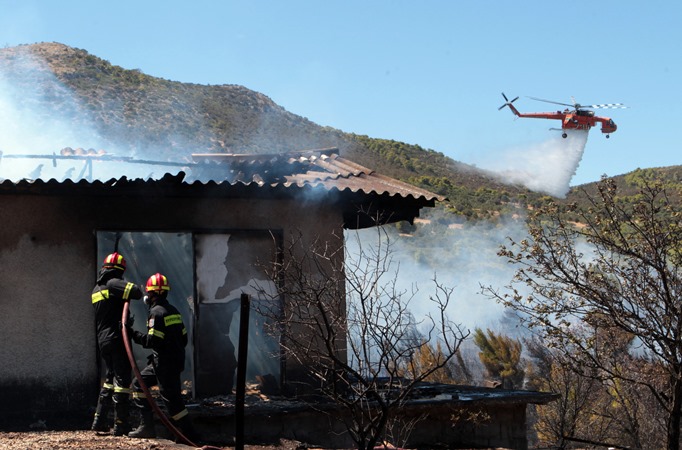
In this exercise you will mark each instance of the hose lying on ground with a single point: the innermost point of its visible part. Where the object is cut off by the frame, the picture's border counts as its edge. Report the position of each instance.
(166, 421)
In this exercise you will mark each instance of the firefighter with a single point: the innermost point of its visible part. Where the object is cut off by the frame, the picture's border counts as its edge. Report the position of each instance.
(108, 298)
(167, 337)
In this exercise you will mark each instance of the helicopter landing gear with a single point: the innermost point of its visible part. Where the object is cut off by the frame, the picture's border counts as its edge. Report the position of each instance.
(608, 136)
(564, 135)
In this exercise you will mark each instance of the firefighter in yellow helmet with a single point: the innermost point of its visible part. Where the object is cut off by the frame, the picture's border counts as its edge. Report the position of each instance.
(108, 298)
(167, 337)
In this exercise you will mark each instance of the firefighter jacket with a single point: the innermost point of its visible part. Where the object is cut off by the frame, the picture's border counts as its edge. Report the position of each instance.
(166, 336)
(108, 298)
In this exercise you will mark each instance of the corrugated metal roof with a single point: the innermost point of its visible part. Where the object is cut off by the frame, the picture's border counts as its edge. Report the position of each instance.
(245, 174)
(313, 168)
(364, 196)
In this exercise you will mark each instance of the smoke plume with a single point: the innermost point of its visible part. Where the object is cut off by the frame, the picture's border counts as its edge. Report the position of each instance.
(39, 116)
(462, 258)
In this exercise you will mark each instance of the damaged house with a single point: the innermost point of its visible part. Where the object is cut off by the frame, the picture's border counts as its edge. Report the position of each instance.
(209, 228)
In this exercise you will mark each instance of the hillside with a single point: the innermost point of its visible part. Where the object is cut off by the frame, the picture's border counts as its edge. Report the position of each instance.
(164, 119)
(628, 184)
(154, 118)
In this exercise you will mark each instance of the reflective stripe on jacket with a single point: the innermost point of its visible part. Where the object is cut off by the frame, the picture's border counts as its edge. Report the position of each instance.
(108, 298)
(166, 335)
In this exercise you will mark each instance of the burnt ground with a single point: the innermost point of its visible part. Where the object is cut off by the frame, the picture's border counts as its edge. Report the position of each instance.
(90, 440)
(212, 417)
(51, 434)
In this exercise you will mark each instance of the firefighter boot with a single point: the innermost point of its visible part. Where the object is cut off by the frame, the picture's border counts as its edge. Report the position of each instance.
(121, 414)
(187, 429)
(101, 420)
(146, 428)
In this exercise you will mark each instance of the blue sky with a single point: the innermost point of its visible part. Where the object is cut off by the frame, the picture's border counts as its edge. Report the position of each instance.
(422, 72)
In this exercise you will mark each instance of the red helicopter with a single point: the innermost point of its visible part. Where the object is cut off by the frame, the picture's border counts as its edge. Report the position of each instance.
(578, 118)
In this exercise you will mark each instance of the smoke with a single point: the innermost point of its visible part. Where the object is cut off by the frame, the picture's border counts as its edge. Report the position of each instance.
(463, 258)
(27, 126)
(40, 116)
(546, 167)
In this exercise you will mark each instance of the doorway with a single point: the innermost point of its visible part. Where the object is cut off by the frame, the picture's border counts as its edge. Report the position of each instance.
(208, 272)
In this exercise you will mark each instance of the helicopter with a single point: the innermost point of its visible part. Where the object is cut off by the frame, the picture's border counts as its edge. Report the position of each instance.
(580, 117)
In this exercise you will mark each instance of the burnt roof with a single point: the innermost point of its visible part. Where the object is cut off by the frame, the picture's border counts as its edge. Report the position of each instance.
(321, 168)
(364, 195)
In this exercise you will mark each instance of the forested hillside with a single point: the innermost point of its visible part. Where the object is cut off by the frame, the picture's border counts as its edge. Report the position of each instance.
(168, 119)
(143, 114)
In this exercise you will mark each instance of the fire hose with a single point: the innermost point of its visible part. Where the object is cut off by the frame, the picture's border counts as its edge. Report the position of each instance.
(166, 421)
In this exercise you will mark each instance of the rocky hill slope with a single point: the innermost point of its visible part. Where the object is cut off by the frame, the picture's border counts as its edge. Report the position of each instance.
(156, 118)
(136, 114)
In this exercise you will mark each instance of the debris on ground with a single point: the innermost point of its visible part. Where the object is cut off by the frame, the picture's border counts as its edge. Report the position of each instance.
(91, 440)
(85, 440)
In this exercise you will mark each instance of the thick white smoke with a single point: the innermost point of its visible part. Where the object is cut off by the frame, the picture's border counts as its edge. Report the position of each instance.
(464, 258)
(26, 126)
(41, 116)
(546, 167)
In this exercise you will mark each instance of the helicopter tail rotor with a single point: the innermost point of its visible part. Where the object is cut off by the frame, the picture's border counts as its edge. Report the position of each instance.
(507, 101)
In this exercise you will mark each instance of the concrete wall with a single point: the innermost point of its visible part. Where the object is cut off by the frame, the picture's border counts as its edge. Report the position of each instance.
(48, 258)
(428, 425)
(465, 425)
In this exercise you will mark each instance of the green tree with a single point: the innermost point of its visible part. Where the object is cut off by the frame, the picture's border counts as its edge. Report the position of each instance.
(617, 276)
(501, 356)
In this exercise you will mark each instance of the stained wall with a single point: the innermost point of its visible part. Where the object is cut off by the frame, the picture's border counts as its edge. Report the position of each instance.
(49, 261)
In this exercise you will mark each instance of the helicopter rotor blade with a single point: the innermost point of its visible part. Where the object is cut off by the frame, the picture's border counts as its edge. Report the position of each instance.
(608, 106)
(550, 101)
(507, 102)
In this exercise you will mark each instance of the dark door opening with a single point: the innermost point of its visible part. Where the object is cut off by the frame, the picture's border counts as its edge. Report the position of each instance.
(208, 272)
